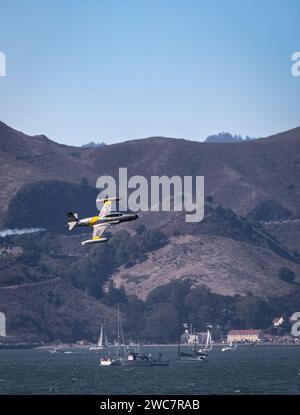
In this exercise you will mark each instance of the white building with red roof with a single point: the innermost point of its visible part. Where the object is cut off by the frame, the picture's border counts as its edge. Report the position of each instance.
(235, 336)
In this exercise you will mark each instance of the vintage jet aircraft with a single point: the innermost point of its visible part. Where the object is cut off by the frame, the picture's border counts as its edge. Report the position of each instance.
(100, 222)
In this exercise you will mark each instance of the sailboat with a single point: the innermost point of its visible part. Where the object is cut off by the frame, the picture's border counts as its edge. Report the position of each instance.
(193, 356)
(102, 341)
(131, 358)
(208, 345)
(109, 360)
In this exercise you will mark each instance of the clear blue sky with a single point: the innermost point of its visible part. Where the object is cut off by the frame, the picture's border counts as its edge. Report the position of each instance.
(113, 70)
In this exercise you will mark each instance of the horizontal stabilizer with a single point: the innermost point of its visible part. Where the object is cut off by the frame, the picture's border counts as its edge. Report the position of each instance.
(72, 225)
(72, 220)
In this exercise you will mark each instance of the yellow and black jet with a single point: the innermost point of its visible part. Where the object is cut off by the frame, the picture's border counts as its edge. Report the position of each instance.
(101, 221)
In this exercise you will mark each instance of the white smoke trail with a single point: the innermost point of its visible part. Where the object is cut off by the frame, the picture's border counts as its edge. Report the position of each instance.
(11, 232)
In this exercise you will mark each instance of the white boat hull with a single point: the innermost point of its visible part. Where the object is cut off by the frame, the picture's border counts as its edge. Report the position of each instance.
(109, 362)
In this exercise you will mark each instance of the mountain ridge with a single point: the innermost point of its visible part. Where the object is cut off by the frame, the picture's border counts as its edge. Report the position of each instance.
(228, 254)
(238, 175)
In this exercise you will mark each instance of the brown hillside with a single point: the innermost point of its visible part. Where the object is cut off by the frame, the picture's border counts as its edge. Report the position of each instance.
(238, 175)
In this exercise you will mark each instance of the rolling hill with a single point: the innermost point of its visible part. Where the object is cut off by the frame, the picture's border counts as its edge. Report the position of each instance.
(240, 176)
(244, 246)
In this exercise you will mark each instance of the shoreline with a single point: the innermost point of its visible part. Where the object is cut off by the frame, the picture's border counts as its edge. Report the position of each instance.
(171, 345)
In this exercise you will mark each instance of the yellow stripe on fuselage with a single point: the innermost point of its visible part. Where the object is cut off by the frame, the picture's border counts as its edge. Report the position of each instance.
(93, 220)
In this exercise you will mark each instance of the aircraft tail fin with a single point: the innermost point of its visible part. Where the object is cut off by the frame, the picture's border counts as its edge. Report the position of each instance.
(72, 220)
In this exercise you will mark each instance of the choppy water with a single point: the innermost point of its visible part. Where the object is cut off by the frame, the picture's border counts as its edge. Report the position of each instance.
(253, 370)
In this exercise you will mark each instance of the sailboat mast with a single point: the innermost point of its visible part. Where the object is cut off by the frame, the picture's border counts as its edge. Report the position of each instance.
(118, 331)
(207, 340)
(123, 339)
(179, 335)
(100, 341)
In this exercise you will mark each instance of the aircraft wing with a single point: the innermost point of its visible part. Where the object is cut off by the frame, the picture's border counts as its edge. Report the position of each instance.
(106, 208)
(98, 231)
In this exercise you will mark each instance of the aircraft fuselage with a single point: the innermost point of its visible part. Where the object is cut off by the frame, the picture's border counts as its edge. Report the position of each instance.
(111, 219)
